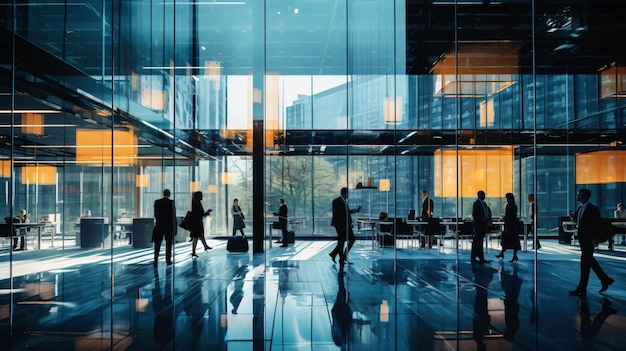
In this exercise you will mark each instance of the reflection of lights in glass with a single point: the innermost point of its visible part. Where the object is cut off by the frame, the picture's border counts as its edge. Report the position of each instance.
(384, 311)
(476, 70)
(488, 169)
(600, 167)
(384, 185)
(39, 174)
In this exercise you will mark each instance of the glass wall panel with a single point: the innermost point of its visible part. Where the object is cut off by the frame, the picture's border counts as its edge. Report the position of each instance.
(104, 104)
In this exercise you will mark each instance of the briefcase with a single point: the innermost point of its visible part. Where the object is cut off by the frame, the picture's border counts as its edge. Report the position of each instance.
(237, 244)
(290, 237)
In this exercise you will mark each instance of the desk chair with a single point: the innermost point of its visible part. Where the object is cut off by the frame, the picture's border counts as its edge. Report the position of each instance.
(384, 234)
(434, 228)
(404, 231)
(465, 235)
(569, 227)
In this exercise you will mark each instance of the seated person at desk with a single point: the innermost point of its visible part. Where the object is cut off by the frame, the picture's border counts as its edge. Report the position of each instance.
(383, 217)
(620, 212)
(21, 217)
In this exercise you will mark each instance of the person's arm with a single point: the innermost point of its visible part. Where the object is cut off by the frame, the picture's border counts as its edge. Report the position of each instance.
(357, 210)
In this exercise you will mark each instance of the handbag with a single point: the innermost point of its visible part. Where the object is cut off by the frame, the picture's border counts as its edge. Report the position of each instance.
(186, 222)
(237, 244)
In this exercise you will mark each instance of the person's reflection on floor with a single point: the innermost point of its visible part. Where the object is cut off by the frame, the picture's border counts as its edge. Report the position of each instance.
(483, 275)
(237, 294)
(342, 316)
(163, 328)
(588, 328)
(193, 305)
(511, 285)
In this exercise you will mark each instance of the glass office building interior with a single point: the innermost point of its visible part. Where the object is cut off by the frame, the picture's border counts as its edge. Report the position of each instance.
(103, 104)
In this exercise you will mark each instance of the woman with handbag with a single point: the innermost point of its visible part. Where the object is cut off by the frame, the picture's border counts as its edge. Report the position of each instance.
(238, 218)
(510, 239)
(197, 225)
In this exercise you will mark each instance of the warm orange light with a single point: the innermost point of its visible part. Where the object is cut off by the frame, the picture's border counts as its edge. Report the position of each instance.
(194, 186)
(5, 168)
(100, 146)
(228, 178)
(212, 189)
(490, 170)
(384, 185)
(39, 174)
(32, 123)
(153, 99)
(600, 167)
(613, 82)
(393, 110)
(142, 180)
(476, 70)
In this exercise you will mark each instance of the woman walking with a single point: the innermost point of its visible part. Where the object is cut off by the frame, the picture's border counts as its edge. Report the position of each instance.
(510, 239)
(238, 218)
(197, 225)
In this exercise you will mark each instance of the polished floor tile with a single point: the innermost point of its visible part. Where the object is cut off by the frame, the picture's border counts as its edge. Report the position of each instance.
(297, 299)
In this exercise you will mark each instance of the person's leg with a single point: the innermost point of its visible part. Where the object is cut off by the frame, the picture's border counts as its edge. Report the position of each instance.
(283, 240)
(593, 263)
(194, 242)
(157, 249)
(514, 255)
(501, 254)
(206, 246)
(351, 239)
(334, 252)
(169, 243)
(586, 257)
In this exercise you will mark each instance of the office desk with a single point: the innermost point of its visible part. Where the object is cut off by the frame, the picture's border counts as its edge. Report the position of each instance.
(372, 222)
(27, 228)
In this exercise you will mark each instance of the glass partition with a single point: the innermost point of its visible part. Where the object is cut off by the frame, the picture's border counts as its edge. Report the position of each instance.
(103, 105)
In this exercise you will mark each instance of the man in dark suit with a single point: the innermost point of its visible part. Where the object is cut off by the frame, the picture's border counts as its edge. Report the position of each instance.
(481, 215)
(427, 214)
(165, 215)
(427, 206)
(587, 217)
(342, 221)
(282, 221)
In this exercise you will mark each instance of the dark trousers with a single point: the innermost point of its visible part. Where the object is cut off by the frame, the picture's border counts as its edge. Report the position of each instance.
(19, 240)
(477, 245)
(587, 263)
(341, 240)
(531, 233)
(283, 228)
(169, 241)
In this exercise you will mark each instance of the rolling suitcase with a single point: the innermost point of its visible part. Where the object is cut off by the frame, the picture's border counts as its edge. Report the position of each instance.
(290, 237)
(237, 244)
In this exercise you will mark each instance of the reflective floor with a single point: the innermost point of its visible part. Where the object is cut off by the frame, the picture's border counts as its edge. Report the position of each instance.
(295, 299)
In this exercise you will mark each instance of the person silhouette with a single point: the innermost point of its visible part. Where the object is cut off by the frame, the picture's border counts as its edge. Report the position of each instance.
(163, 326)
(588, 328)
(238, 281)
(194, 306)
(511, 285)
(483, 275)
(342, 316)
